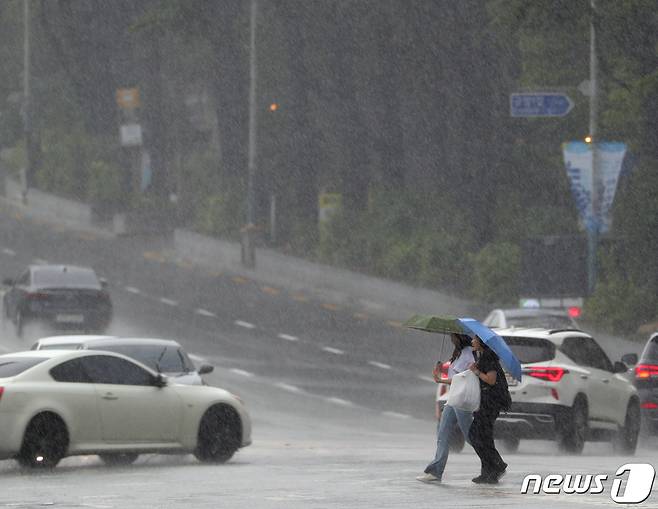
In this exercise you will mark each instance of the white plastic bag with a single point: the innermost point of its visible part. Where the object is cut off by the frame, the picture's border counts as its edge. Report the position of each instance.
(465, 391)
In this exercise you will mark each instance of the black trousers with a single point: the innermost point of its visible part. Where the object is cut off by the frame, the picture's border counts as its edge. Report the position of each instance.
(481, 436)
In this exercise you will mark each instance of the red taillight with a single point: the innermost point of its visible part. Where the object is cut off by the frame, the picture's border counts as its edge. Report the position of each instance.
(649, 405)
(574, 312)
(2, 389)
(555, 395)
(646, 370)
(545, 373)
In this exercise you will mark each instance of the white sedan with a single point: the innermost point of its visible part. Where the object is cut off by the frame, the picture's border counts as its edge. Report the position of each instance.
(56, 403)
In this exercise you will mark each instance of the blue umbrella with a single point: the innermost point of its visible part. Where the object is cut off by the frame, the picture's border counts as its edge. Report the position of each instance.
(495, 342)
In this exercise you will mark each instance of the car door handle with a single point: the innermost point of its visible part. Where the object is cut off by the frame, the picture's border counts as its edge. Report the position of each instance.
(584, 377)
(605, 380)
(110, 396)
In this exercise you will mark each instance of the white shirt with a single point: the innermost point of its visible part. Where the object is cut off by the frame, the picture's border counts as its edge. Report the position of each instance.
(460, 364)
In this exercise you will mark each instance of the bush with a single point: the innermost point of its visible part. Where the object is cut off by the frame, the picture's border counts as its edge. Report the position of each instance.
(220, 215)
(104, 185)
(496, 273)
(621, 305)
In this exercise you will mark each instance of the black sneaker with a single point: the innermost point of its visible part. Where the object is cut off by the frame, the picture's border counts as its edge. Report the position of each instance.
(485, 479)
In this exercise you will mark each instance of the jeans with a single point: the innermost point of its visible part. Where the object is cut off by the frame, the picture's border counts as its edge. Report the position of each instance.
(450, 417)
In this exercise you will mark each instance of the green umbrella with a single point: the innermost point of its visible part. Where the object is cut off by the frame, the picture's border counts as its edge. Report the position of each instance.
(443, 324)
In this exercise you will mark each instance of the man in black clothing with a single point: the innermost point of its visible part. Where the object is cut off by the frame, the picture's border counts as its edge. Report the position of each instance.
(494, 397)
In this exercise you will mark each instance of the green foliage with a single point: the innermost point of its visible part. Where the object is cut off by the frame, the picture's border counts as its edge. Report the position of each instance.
(622, 305)
(402, 236)
(78, 166)
(104, 186)
(219, 215)
(495, 273)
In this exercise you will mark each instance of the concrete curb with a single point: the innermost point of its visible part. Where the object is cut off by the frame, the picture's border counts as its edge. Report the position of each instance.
(395, 300)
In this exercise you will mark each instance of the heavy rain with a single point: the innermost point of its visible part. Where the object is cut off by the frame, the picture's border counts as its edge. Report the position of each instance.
(241, 241)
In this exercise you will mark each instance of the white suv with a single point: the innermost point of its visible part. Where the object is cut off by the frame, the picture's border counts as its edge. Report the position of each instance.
(571, 392)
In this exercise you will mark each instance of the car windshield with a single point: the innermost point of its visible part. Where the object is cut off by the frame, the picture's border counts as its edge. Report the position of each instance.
(58, 278)
(543, 321)
(529, 350)
(651, 350)
(12, 366)
(168, 359)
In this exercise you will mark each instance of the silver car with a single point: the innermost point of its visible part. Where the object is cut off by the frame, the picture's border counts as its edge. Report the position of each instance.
(165, 356)
(544, 318)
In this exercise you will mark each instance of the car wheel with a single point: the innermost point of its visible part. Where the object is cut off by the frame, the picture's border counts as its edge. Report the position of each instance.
(45, 442)
(457, 441)
(219, 435)
(117, 459)
(625, 441)
(510, 444)
(572, 436)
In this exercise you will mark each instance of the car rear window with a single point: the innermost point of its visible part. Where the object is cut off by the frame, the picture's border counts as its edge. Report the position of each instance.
(12, 366)
(651, 350)
(58, 278)
(545, 322)
(529, 350)
(60, 346)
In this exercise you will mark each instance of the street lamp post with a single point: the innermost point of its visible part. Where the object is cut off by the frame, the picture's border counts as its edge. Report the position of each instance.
(27, 103)
(248, 248)
(593, 228)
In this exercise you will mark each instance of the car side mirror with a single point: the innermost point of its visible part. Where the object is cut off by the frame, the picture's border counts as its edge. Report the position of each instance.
(8, 281)
(205, 369)
(629, 359)
(160, 381)
(619, 367)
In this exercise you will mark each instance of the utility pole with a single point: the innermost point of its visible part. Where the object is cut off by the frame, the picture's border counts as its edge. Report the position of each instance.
(248, 232)
(593, 229)
(27, 104)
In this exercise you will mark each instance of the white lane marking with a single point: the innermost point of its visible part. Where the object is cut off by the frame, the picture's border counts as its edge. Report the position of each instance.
(397, 415)
(339, 401)
(246, 325)
(288, 387)
(168, 302)
(426, 378)
(240, 372)
(335, 351)
(204, 312)
(132, 289)
(9, 252)
(40, 261)
(380, 365)
(287, 337)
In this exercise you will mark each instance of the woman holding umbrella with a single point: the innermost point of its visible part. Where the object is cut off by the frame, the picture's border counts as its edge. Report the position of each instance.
(462, 357)
(494, 397)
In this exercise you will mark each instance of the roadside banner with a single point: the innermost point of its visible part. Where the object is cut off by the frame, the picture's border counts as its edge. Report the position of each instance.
(578, 162)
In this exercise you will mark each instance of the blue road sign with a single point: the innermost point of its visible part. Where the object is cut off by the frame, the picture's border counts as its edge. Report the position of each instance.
(540, 104)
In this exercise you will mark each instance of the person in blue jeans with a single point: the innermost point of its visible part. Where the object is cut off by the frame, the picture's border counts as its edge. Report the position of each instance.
(462, 358)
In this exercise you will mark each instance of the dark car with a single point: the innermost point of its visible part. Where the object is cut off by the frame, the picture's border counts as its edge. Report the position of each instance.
(61, 297)
(646, 381)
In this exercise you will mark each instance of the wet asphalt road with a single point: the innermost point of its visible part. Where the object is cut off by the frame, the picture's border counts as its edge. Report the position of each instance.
(340, 399)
